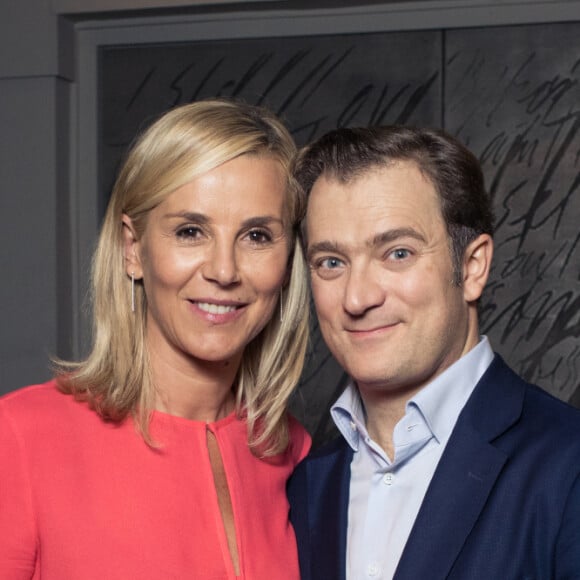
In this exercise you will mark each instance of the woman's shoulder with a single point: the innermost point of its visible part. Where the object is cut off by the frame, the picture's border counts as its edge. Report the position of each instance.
(37, 403)
(40, 393)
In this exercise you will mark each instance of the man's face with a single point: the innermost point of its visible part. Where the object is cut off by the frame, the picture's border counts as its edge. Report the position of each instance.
(382, 279)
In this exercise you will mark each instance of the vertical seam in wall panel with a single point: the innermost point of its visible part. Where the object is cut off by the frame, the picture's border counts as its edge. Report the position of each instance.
(443, 76)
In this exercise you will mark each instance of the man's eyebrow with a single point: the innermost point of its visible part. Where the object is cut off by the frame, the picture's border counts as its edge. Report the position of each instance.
(324, 246)
(396, 234)
(389, 236)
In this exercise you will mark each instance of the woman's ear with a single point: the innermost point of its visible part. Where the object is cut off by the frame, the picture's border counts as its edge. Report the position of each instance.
(476, 266)
(131, 249)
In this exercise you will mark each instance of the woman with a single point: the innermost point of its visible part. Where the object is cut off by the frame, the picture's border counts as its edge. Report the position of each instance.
(165, 453)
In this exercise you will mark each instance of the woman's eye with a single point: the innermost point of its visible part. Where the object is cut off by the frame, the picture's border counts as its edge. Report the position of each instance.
(188, 232)
(259, 237)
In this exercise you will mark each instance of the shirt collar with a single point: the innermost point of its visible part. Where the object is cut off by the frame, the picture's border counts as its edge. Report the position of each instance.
(439, 403)
(349, 416)
(442, 400)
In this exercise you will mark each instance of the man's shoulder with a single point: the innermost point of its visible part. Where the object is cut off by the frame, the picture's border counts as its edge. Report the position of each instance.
(524, 415)
(333, 455)
(337, 445)
(539, 401)
(552, 411)
(324, 474)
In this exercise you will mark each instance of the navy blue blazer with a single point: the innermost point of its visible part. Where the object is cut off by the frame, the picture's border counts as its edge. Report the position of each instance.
(503, 504)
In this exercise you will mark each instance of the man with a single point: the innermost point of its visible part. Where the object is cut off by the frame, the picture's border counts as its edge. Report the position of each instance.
(449, 464)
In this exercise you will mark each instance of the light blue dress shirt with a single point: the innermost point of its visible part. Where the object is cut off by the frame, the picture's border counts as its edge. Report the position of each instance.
(385, 495)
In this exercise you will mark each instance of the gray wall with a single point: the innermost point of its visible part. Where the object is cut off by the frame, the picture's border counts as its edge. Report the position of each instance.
(34, 150)
(44, 242)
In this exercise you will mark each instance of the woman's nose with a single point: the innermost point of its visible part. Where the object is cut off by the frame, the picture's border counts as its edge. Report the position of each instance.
(221, 264)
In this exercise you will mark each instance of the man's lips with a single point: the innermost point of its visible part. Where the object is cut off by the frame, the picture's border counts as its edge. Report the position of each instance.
(375, 328)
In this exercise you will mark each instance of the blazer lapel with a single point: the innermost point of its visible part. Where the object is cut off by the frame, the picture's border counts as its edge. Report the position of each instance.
(328, 493)
(464, 477)
(450, 509)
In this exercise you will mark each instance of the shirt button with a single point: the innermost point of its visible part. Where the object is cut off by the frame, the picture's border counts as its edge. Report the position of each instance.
(388, 479)
(373, 569)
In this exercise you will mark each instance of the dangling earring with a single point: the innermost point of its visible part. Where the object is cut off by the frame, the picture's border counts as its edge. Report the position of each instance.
(281, 307)
(132, 291)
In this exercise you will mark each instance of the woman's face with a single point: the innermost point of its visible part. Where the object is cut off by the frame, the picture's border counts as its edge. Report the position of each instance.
(213, 258)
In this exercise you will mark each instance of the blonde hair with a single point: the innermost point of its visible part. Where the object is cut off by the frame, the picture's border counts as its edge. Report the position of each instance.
(115, 378)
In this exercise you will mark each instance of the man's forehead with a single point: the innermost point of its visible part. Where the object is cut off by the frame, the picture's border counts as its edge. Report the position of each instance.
(386, 203)
(398, 183)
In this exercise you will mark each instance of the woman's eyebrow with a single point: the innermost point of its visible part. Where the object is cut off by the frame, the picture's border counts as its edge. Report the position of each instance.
(263, 221)
(189, 216)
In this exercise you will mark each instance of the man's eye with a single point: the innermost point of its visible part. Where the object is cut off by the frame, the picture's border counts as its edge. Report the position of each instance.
(400, 254)
(329, 263)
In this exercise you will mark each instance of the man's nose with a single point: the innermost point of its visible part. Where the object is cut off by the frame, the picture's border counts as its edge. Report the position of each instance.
(363, 291)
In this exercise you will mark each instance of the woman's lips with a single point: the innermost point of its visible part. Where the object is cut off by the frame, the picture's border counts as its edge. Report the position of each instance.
(212, 308)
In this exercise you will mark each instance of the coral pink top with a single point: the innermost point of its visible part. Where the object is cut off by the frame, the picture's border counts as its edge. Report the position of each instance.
(81, 499)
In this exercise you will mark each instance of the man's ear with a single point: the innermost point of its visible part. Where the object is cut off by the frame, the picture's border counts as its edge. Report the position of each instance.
(131, 248)
(476, 266)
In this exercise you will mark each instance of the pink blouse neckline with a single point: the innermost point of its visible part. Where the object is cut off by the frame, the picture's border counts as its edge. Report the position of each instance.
(164, 418)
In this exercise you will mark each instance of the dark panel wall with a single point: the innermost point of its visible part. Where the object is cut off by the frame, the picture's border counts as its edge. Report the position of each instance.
(510, 93)
(513, 95)
(314, 83)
